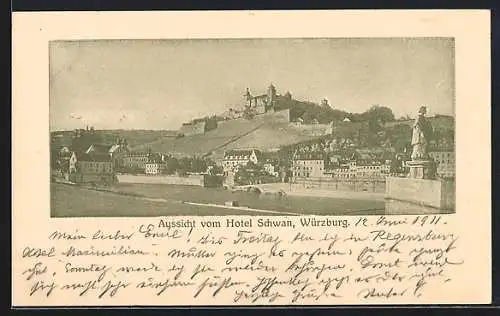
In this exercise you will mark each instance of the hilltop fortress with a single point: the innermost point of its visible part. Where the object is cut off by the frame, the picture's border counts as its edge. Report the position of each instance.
(261, 104)
(270, 106)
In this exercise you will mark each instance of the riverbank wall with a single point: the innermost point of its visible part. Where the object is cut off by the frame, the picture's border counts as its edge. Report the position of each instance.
(193, 180)
(356, 185)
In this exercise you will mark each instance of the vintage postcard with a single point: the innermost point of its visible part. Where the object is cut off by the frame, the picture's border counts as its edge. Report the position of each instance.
(265, 158)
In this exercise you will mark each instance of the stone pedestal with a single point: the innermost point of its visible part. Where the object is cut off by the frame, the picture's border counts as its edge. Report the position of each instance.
(422, 169)
(422, 188)
(436, 194)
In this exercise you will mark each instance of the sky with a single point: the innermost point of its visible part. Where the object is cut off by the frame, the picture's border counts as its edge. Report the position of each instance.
(159, 84)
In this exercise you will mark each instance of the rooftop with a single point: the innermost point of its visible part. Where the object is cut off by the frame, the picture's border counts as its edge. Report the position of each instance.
(309, 156)
(241, 152)
(114, 148)
(99, 149)
(95, 157)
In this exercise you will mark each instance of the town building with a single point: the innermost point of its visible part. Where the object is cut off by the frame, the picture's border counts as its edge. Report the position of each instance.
(233, 159)
(445, 163)
(133, 160)
(95, 164)
(155, 165)
(371, 169)
(118, 149)
(442, 151)
(308, 165)
(63, 159)
(355, 169)
(94, 168)
(152, 168)
(342, 172)
(116, 152)
(99, 149)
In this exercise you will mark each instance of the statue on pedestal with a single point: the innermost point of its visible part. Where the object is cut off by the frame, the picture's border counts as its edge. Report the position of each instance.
(421, 165)
(422, 132)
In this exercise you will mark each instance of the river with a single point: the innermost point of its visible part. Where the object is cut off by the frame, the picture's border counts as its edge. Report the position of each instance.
(70, 200)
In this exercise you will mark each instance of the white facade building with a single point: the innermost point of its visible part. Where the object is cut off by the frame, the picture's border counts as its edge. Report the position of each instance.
(233, 159)
(361, 170)
(152, 168)
(308, 166)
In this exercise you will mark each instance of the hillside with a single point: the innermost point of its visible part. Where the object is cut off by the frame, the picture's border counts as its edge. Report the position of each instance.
(439, 123)
(269, 137)
(261, 132)
(265, 134)
(133, 137)
(200, 144)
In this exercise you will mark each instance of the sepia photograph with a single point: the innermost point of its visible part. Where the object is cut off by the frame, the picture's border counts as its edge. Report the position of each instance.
(264, 159)
(274, 126)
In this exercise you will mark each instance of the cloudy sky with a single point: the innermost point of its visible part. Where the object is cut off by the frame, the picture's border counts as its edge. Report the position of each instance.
(159, 84)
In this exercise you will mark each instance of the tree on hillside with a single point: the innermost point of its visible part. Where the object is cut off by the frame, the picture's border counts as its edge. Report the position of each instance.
(399, 136)
(309, 115)
(337, 115)
(82, 141)
(381, 113)
(249, 174)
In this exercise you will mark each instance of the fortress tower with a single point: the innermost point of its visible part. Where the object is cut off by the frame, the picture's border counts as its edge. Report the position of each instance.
(271, 96)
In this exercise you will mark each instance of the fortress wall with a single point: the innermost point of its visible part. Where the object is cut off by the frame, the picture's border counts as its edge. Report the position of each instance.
(193, 129)
(311, 129)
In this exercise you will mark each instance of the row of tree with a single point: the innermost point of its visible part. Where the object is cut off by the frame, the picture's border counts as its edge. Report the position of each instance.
(185, 165)
(310, 111)
(181, 166)
(253, 174)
